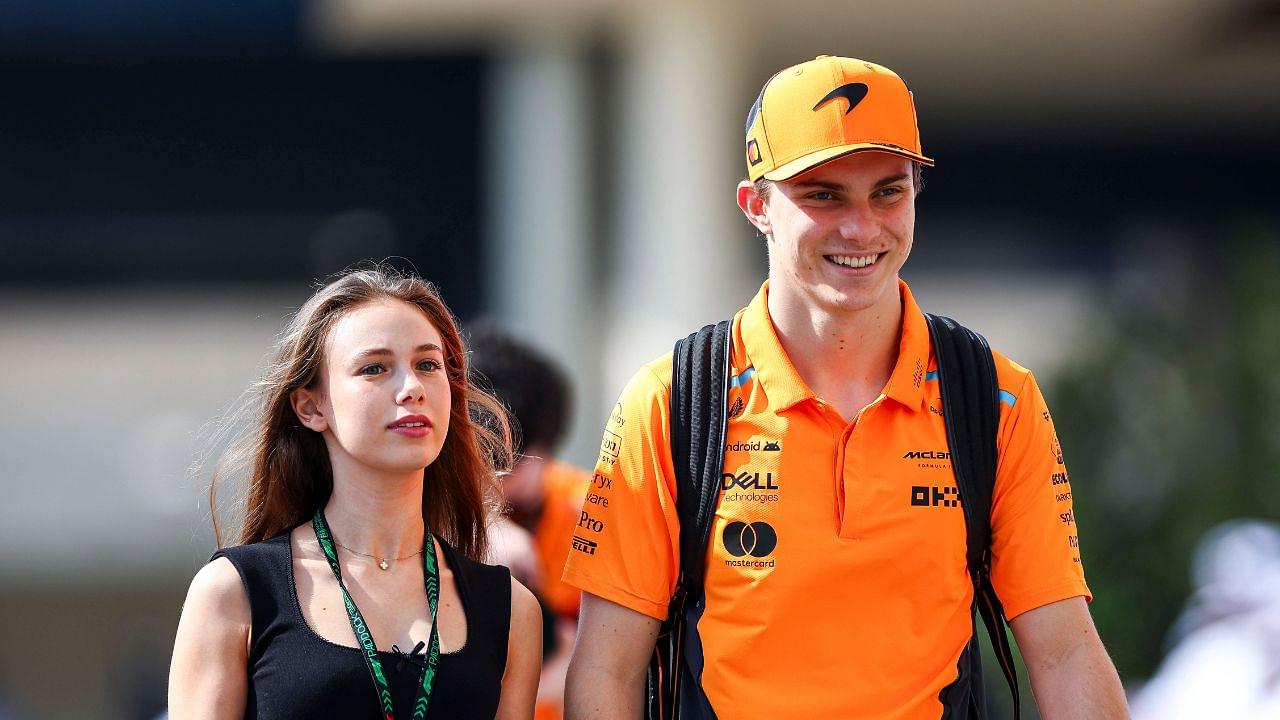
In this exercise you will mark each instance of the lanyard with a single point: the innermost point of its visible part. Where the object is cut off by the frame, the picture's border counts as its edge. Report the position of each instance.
(432, 578)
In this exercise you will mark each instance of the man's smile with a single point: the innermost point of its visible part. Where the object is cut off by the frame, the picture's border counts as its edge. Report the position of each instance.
(854, 261)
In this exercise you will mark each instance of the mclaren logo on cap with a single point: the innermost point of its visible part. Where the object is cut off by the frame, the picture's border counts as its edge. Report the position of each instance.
(853, 92)
(753, 152)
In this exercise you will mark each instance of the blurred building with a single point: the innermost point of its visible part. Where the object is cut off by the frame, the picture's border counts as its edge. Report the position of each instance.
(172, 177)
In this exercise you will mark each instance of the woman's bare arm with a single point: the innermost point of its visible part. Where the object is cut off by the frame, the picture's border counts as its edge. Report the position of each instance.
(209, 676)
(524, 656)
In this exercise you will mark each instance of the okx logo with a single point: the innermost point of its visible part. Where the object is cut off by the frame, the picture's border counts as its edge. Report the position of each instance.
(933, 496)
(756, 539)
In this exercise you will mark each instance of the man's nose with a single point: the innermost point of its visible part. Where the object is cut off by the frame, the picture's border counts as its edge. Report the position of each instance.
(857, 222)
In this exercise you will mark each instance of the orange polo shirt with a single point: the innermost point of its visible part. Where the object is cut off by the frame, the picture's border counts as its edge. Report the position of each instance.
(836, 579)
(564, 487)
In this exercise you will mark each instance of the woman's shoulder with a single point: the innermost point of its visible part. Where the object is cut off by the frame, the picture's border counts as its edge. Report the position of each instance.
(218, 594)
(270, 547)
(218, 578)
(270, 556)
(497, 585)
(262, 568)
(474, 571)
(526, 612)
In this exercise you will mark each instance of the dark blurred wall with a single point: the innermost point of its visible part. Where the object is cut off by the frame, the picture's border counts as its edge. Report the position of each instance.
(175, 170)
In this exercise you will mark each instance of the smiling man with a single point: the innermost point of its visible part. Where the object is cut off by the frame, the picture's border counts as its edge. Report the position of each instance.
(836, 581)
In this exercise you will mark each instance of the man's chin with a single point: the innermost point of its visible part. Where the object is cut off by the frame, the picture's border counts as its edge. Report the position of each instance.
(844, 300)
(840, 296)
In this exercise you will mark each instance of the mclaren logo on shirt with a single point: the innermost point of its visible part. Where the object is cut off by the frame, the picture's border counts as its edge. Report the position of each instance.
(753, 542)
(938, 459)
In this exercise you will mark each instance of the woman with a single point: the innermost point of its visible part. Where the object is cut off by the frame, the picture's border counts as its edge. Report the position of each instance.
(358, 590)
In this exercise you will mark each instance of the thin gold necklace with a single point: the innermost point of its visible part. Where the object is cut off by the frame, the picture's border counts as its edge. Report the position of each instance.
(382, 562)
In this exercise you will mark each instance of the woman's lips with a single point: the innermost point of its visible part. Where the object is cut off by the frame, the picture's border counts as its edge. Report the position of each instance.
(411, 426)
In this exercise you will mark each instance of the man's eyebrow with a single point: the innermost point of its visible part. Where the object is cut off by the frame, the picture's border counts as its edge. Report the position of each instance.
(891, 180)
(805, 185)
(383, 352)
(819, 185)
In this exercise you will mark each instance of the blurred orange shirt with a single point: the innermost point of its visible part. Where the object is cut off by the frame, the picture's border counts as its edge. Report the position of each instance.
(564, 489)
(836, 575)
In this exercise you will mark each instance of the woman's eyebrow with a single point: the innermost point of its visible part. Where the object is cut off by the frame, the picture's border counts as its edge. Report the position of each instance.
(383, 352)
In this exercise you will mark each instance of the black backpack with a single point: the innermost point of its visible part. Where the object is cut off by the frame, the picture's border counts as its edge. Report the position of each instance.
(699, 387)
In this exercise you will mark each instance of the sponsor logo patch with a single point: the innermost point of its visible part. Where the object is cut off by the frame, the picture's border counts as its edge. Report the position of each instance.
(933, 496)
(748, 480)
(757, 540)
(587, 522)
(735, 409)
(753, 446)
(610, 446)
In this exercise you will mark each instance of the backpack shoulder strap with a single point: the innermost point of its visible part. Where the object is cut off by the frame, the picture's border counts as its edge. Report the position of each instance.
(699, 385)
(699, 380)
(971, 411)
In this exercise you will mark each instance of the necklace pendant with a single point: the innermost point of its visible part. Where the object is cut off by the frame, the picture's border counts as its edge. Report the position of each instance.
(383, 564)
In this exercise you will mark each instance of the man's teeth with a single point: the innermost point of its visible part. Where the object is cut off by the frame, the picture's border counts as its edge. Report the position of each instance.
(853, 261)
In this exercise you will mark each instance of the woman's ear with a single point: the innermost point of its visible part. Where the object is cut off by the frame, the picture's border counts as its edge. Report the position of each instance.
(306, 405)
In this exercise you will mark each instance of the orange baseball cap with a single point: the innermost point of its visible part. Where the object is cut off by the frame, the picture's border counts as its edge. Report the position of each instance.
(827, 108)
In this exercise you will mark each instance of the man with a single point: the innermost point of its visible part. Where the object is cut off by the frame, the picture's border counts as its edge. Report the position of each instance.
(544, 495)
(836, 581)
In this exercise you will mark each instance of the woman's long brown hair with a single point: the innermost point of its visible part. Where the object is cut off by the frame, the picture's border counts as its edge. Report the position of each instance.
(286, 466)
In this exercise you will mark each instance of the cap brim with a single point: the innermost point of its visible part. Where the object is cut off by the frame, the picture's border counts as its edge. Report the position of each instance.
(814, 159)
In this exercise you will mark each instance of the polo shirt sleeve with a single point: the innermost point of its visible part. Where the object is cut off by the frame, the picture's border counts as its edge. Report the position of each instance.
(1034, 545)
(626, 544)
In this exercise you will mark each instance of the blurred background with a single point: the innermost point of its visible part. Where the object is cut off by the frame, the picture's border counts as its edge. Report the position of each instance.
(175, 176)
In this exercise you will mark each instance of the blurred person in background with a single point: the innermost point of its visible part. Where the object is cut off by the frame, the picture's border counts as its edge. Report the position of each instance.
(830, 591)
(544, 494)
(1225, 662)
(358, 591)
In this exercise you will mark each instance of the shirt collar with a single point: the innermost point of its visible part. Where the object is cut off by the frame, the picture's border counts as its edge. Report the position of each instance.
(784, 386)
(774, 371)
(906, 383)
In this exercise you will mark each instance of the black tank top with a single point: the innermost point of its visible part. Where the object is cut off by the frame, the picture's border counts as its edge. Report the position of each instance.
(295, 673)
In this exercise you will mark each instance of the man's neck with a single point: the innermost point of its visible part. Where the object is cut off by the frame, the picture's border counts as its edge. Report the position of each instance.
(376, 515)
(845, 357)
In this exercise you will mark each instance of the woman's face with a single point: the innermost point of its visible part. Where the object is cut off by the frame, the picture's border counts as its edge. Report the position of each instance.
(383, 400)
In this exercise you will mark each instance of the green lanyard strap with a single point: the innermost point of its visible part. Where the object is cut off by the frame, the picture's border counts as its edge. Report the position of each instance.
(365, 638)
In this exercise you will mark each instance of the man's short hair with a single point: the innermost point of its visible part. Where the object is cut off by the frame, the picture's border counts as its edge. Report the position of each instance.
(530, 384)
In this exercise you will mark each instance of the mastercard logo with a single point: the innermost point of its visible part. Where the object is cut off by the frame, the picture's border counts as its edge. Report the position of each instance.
(756, 539)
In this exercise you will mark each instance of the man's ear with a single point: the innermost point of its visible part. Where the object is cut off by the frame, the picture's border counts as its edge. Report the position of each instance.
(751, 203)
(306, 405)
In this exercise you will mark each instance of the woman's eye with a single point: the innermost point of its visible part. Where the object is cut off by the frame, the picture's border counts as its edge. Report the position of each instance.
(429, 365)
(374, 369)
